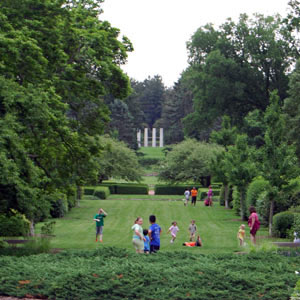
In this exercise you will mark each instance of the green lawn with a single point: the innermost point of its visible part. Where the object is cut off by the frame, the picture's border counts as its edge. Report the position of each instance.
(217, 226)
(152, 152)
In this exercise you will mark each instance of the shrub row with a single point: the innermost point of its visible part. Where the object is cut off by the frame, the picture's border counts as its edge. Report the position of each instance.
(100, 192)
(112, 273)
(166, 189)
(118, 188)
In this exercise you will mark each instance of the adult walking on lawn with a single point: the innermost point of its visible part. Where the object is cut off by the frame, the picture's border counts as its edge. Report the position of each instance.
(253, 223)
(210, 196)
(99, 224)
(154, 234)
(194, 194)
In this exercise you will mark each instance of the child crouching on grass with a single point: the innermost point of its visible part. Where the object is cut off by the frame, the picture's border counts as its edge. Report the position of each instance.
(241, 235)
(173, 229)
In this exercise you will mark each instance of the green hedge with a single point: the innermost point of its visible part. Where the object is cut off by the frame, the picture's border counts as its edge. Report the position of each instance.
(14, 225)
(89, 191)
(139, 189)
(166, 189)
(121, 188)
(101, 192)
(282, 223)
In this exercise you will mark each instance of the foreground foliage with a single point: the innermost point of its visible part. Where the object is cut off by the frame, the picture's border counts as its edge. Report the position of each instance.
(114, 273)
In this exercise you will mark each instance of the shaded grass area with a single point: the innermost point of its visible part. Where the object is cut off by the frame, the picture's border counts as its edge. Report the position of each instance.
(217, 226)
(114, 273)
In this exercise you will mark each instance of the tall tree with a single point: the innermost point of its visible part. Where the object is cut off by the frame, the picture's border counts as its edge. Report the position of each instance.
(240, 168)
(291, 109)
(235, 68)
(278, 162)
(58, 60)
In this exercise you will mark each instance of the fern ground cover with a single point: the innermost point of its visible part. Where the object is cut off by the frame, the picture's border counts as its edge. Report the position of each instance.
(112, 273)
(217, 226)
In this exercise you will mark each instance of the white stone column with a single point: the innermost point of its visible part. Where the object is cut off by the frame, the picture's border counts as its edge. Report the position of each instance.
(153, 137)
(139, 137)
(146, 137)
(161, 137)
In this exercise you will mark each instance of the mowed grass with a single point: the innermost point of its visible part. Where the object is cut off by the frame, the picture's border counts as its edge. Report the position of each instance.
(152, 152)
(217, 226)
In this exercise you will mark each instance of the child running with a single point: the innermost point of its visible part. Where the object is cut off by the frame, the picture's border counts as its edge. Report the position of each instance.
(192, 230)
(173, 229)
(241, 235)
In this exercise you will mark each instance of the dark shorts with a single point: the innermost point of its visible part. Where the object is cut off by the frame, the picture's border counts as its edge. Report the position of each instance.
(99, 230)
(194, 198)
(153, 248)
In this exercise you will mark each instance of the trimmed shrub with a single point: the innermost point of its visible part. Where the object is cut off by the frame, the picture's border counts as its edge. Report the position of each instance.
(101, 192)
(14, 225)
(89, 191)
(138, 189)
(59, 205)
(263, 207)
(146, 162)
(282, 223)
(166, 189)
(71, 197)
(256, 187)
(236, 201)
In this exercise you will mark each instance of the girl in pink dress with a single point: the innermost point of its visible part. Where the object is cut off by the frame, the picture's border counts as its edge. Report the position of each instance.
(253, 223)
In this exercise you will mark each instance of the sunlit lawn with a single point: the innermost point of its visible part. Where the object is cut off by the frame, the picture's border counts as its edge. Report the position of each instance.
(216, 225)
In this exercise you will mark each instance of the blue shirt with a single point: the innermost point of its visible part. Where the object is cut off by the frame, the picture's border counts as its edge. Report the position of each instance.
(155, 234)
(147, 243)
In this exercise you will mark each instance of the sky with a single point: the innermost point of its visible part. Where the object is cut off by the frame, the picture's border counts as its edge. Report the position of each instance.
(159, 29)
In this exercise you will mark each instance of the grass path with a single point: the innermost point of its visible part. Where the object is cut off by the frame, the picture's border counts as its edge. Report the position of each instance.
(216, 225)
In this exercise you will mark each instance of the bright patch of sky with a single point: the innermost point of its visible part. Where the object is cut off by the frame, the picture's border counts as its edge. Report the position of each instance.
(159, 29)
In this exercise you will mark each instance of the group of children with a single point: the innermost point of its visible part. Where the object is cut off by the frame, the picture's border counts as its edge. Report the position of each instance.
(141, 238)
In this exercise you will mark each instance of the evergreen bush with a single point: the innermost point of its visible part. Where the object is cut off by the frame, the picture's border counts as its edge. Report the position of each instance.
(282, 223)
(59, 205)
(130, 189)
(15, 224)
(255, 188)
(167, 189)
(101, 192)
(89, 191)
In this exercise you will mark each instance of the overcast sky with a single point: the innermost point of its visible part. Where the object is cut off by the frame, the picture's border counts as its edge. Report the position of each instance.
(159, 29)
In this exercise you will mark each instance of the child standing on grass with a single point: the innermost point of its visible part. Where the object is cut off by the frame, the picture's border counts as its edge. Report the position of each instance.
(173, 229)
(241, 235)
(99, 224)
(187, 194)
(146, 242)
(192, 230)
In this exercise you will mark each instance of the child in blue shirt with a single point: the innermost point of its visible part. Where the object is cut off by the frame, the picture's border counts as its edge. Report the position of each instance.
(146, 242)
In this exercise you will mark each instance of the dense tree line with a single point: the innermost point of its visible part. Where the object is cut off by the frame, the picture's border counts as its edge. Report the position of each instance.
(57, 62)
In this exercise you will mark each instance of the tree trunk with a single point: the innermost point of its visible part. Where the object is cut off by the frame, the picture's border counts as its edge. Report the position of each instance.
(271, 217)
(226, 194)
(79, 195)
(31, 228)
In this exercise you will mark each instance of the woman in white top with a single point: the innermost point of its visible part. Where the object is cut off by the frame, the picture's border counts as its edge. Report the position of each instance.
(138, 236)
